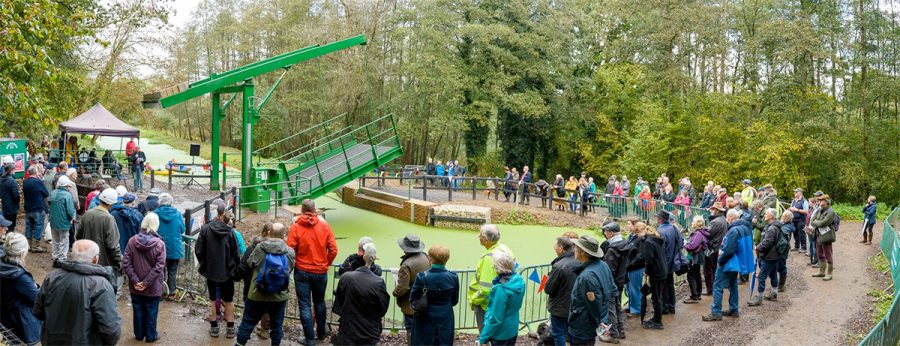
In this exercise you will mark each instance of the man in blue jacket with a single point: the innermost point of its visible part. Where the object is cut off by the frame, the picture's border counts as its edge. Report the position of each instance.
(35, 193)
(674, 243)
(594, 289)
(735, 257)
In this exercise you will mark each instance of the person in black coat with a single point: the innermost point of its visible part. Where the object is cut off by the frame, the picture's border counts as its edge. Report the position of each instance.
(559, 287)
(717, 229)
(434, 326)
(362, 300)
(652, 256)
(9, 194)
(615, 254)
(355, 260)
(218, 256)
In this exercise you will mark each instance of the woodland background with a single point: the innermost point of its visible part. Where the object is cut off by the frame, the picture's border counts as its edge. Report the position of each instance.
(793, 92)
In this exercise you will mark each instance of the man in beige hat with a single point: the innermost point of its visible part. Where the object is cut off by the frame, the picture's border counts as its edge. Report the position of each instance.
(413, 262)
(594, 289)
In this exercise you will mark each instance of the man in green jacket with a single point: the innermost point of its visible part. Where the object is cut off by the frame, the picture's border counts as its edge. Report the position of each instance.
(62, 212)
(480, 287)
(271, 300)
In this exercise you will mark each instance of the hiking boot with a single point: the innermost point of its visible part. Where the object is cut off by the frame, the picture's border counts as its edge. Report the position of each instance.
(754, 300)
(829, 267)
(771, 296)
(821, 272)
(730, 313)
(230, 332)
(690, 301)
(608, 339)
(214, 331)
(781, 288)
(262, 334)
(652, 325)
(711, 317)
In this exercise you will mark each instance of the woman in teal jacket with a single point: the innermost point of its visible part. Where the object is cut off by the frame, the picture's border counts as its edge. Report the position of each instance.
(171, 228)
(501, 320)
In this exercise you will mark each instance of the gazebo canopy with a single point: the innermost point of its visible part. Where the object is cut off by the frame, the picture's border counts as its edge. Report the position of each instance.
(99, 121)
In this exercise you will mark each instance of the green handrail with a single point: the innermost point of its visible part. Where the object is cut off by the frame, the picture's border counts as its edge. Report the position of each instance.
(321, 124)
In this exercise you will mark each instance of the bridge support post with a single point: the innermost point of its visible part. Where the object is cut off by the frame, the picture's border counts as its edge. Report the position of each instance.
(214, 150)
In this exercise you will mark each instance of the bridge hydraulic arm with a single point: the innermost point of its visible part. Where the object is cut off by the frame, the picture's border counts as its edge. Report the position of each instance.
(240, 80)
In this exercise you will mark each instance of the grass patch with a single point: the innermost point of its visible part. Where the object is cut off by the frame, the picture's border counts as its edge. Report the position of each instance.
(519, 217)
(160, 137)
(882, 298)
(850, 212)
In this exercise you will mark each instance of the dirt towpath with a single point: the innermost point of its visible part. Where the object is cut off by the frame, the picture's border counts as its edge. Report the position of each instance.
(809, 312)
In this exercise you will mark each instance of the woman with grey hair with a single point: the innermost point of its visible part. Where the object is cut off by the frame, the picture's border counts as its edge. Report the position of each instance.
(18, 291)
(171, 228)
(501, 320)
(355, 260)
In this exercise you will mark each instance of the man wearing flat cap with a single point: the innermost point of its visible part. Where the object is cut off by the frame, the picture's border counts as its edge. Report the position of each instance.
(594, 289)
(412, 263)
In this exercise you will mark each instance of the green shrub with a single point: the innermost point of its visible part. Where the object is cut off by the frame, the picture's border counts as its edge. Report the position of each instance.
(850, 212)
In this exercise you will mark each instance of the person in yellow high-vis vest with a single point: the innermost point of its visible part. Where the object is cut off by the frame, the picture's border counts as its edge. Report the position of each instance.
(749, 192)
(480, 287)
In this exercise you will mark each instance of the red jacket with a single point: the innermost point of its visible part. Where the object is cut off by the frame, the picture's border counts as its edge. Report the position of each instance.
(313, 243)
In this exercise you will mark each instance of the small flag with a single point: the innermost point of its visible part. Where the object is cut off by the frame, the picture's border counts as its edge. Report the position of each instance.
(534, 277)
(543, 283)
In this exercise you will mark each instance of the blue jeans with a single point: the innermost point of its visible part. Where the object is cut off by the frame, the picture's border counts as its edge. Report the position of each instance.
(145, 311)
(309, 284)
(34, 225)
(138, 182)
(767, 270)
(253, 312)
(725, 280)
(572, 199)
(633, 290)
(559, 329)
(811, 238)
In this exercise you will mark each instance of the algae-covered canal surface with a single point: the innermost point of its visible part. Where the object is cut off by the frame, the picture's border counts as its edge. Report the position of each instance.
(532, 245)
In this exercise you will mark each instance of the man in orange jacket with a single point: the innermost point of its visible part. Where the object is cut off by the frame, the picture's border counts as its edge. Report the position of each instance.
(315, 248)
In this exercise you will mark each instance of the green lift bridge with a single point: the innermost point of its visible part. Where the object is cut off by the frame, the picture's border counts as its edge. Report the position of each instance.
(332, 153)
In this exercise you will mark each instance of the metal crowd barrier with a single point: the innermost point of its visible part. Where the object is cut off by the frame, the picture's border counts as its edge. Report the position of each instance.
(887, 331)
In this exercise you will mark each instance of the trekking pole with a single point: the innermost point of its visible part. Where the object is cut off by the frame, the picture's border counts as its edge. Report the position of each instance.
(753, 280)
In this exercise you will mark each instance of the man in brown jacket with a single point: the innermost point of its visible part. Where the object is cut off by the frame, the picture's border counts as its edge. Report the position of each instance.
(413, 262)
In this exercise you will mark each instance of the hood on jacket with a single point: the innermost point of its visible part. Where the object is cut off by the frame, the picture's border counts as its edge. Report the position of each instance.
(515, 284)
(10, 271)
(742, 222)
(146, 241)
(167, 213)
(704, 231)
(308, 218)
(219, 228)
(273, 246)
(83, 268)
(659, 240)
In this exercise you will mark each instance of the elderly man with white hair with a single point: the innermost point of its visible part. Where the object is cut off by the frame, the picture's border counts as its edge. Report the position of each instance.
(362, 300)
(480, 287)
(77, 301)
(735, 258)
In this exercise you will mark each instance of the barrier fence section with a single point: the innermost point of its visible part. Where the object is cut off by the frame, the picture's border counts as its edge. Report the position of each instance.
(887, 331)
(575, 202)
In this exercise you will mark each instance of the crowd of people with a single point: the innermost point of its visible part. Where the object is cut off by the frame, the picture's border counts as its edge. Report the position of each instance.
(114, 243)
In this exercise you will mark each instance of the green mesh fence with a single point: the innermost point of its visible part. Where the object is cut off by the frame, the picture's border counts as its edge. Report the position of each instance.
(887, 331)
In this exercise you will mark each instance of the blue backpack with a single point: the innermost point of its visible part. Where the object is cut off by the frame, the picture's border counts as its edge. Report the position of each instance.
(273, 277)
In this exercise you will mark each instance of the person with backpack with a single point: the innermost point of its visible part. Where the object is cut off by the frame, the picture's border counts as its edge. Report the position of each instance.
(768, 257)
(270, 264)
(824, 224)
(696, 248)
(784, 246)
(362, 300)
(615, 255)
(735, 258)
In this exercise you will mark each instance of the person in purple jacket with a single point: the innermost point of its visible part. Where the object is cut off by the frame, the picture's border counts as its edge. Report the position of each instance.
(145, 263)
